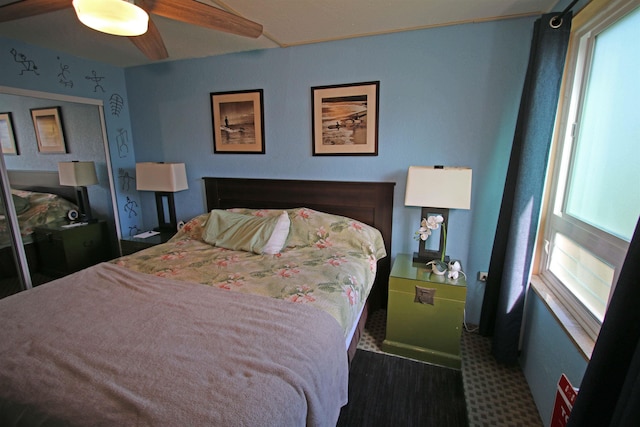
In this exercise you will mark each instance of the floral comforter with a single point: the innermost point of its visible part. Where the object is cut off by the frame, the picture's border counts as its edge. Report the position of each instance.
(33, 209)
(328, 262)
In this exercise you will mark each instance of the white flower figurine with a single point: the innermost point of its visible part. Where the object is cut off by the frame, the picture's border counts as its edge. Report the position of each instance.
(434, 221)
(428, 224)
(423, 232)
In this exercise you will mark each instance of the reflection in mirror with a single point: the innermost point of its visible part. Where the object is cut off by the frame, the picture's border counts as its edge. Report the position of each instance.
(14, 275)
(54, 242)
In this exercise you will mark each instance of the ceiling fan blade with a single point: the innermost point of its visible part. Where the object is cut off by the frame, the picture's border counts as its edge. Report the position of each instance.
(26, 8)
(150, 43)
(196, 13)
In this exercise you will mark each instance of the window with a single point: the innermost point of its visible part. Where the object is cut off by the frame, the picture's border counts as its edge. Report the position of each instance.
(595, 182)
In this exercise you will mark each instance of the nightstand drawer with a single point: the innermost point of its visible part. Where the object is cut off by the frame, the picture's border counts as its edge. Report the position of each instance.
(130, 245)
(431, 281)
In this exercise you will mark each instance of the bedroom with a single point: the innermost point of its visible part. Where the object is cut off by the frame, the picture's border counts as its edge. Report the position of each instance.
(448, 96)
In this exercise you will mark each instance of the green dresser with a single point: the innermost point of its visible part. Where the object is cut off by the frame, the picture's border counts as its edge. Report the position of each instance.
(424, 314)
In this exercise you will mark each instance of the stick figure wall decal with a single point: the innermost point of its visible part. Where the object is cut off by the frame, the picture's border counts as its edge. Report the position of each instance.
(64, 75)
(27, 64)
(117, 103)
(96, 79)
(122, 140)
(130, 207)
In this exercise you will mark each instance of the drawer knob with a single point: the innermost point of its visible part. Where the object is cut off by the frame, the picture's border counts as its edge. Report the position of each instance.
(424, 295)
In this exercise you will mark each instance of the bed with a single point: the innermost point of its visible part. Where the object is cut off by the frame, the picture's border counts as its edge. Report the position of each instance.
(137, 342)
(39, 199)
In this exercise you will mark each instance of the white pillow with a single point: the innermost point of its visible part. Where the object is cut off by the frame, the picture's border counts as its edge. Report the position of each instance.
(279, 236)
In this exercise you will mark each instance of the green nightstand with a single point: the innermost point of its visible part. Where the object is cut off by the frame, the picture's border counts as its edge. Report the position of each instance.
(425, 314)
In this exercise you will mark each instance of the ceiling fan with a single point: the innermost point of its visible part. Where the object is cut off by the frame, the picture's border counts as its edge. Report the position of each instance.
(150, 43)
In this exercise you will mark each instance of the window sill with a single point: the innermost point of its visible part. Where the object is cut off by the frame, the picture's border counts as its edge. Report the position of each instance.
(583, 342)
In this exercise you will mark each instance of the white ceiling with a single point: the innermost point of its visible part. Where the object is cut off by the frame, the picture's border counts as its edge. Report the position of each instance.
(285, 23)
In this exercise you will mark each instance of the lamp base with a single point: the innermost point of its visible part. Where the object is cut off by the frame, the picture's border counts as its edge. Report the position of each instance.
(425, 259)
(166, 206)
(82, 199)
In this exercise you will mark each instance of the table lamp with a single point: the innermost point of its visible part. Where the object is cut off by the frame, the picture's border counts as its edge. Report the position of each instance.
(165, 179)
(437, 189)
(79, 175)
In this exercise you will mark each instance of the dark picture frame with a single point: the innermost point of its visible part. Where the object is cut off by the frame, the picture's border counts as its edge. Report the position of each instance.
(47, 123)
(238, 122)
(7, 135)
(345, 119)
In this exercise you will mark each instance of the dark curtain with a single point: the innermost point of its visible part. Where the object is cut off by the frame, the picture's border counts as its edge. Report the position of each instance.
(510, 263)
(610, 391)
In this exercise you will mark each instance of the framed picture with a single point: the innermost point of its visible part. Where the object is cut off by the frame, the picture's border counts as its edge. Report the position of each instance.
(7, 136)
(345, 119)
(48, 125)
(238, 122)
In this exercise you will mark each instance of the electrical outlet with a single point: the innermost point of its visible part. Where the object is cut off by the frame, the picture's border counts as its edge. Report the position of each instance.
(482, 276)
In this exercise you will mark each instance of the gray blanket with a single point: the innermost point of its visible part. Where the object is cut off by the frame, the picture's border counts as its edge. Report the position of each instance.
(109, 346)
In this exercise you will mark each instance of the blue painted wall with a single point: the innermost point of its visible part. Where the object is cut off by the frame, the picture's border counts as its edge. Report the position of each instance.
(547, 353)
(448, 96)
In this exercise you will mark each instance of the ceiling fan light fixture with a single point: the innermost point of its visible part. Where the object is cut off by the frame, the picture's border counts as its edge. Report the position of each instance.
(117, 17)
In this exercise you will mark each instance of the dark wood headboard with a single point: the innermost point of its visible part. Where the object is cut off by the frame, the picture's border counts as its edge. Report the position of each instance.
(41, 182)
(368, 202)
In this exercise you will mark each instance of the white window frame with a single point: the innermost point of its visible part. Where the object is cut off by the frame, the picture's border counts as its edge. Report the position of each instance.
(607, 247)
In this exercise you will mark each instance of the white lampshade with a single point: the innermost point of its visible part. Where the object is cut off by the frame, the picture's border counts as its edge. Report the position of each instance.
(77, 174)
(167, 177)
(117, 17)
(438, 187)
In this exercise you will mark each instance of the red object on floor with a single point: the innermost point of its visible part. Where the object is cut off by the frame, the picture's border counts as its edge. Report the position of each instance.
(565, 397)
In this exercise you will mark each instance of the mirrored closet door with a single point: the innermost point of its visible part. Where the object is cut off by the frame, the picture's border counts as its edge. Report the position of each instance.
(14, 271)
(49, 131)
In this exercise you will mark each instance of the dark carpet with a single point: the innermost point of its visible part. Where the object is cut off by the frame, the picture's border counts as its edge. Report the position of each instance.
(391, 391)
(10, 285)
